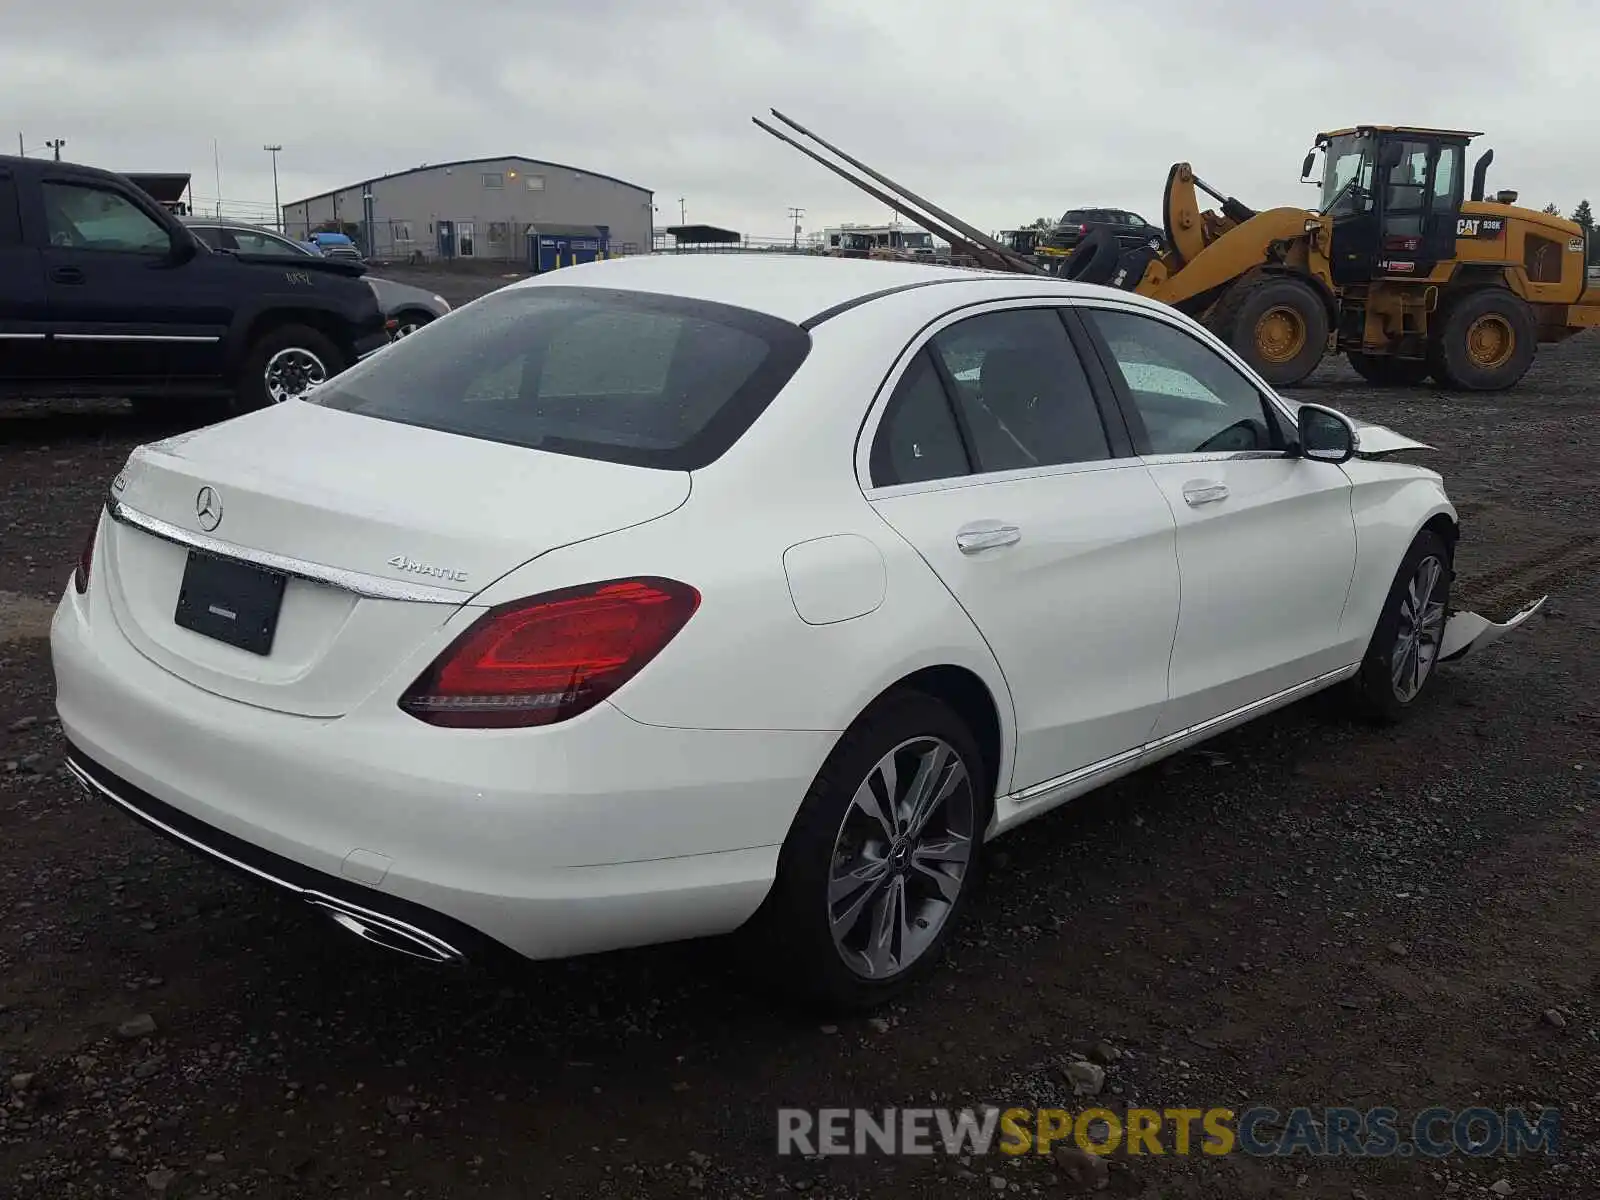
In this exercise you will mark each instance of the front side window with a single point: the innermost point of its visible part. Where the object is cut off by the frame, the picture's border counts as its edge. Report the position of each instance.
(85, 217)
(210, 235)
(1347, 174)
(650, 380)
(1408, 189)
(1021, 391)
(1189, 398)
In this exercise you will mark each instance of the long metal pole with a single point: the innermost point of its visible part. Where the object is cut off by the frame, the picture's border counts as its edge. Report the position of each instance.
(277, 208)
(968, 232)
(957, 242)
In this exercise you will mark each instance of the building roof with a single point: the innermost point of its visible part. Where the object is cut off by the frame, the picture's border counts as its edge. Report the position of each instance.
(702, 234)
(469, 162)
(162, 188)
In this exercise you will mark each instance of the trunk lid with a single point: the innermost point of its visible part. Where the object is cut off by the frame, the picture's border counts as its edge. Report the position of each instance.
(397, 526)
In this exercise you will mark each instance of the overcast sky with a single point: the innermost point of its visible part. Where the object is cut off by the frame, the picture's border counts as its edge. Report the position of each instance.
(1001, 113)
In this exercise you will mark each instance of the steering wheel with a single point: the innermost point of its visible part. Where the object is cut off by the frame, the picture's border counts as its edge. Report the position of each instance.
(1241, 435)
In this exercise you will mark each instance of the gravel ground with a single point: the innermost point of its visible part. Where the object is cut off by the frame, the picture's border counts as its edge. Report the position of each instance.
(1308, 911)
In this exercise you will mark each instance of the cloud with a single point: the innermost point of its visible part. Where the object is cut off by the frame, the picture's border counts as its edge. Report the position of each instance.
(1001, 114)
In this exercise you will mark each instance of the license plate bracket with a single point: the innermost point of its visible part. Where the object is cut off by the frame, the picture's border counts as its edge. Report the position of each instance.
(230, 601)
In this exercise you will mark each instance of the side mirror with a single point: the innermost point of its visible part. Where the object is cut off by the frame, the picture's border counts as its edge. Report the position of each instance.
(1326, 435)
(184, 247)
(1305, 167)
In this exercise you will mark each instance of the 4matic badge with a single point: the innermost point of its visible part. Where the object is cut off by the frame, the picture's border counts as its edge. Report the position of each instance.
(401, 563)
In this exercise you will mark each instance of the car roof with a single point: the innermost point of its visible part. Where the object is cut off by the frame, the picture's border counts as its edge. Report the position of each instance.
(793, 287)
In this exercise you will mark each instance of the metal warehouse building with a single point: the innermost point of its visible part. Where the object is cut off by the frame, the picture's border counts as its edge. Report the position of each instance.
(486, 208)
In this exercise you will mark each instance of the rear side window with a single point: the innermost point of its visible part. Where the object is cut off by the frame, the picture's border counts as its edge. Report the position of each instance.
(628, 377)
(1021, 391)
(918, 439)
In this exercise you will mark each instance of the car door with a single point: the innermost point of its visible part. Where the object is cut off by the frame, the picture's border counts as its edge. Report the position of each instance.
(123, 306)
(24, 317)
(1266, 538)
(996, 460)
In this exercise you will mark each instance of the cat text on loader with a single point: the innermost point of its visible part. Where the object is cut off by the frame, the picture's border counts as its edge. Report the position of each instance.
(1394, 267)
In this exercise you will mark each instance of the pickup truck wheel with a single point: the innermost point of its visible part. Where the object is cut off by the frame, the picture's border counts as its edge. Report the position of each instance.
(284, 364)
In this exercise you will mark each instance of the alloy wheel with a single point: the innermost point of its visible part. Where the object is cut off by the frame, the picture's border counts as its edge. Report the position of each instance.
(1416, 644)
(903, 853)
(292, 372)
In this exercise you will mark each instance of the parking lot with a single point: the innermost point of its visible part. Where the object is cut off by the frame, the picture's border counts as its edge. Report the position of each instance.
(1307, 912)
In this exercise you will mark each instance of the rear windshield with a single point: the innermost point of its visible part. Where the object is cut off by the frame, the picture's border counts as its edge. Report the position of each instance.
(628, 377)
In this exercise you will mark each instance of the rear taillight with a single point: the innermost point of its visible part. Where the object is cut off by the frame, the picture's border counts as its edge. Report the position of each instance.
(550, 657)
(1082, 229)
(80, 573)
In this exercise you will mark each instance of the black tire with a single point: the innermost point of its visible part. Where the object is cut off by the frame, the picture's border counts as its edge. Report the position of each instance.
(1384, 370)
(1503, 313)
(1131, 267)
(1095, 258)
(791, 938)
(1284, 299)
(251, 391)
(1374, 690)
(408, 322)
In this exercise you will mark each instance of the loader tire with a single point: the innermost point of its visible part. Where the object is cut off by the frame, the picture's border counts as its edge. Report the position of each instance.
(1486, 341)
(1095, 259)
(1383, 370)
(1276, 323)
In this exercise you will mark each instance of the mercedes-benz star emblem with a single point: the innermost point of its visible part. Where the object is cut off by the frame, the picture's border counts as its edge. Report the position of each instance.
(208, 507)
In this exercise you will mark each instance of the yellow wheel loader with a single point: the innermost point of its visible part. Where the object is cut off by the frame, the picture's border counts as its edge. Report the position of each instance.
(1397, 267)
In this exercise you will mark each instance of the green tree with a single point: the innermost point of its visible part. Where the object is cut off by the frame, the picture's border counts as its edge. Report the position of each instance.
(1553, 209)
(1584, 216)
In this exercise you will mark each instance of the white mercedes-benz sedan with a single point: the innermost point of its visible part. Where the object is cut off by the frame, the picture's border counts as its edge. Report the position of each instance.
(673, 596)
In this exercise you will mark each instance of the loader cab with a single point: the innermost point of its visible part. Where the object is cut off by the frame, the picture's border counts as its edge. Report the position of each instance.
(1395, 197)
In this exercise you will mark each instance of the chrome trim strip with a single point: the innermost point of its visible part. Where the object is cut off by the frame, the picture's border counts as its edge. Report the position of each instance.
(21, 337)
(1037, 790)
(374, 587)
(1206, 456)
(133, 337)
(446, 951)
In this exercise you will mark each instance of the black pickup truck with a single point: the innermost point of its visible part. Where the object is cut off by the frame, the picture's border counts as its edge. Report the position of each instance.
(103, 292)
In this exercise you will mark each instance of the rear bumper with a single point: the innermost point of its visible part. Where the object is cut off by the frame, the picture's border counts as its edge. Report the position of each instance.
(388, 921)
(595, 835)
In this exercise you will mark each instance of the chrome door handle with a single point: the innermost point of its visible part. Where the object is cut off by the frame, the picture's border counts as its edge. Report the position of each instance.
(1196, 494)
(986, 535)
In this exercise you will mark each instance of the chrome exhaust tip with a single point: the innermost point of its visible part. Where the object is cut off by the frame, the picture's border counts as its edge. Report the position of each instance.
(387, 932)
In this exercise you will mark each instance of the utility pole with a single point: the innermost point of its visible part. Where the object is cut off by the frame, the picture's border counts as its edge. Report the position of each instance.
(794, 215)
(683, 212)
(277, 209)
(56, 146)
(22, 150)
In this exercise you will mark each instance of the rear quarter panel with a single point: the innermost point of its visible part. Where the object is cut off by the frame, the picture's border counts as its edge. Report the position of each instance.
(748, 659)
